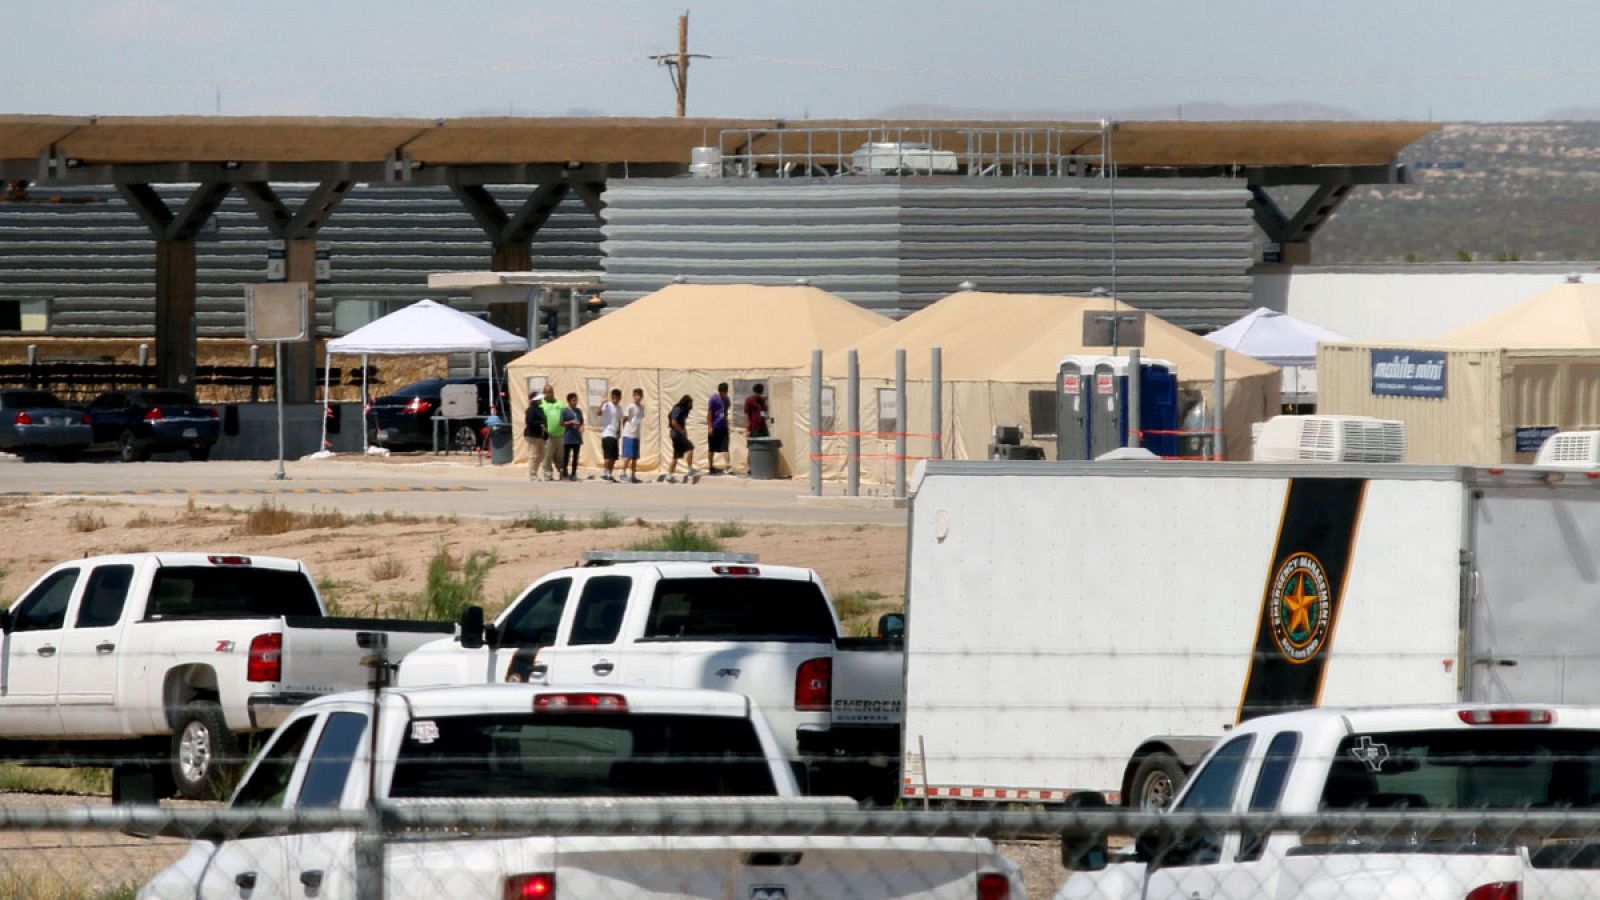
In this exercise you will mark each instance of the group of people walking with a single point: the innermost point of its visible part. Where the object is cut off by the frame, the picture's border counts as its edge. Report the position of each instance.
(554, 432)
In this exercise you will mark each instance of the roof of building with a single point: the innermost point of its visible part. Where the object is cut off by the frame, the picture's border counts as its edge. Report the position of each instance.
(508, 140)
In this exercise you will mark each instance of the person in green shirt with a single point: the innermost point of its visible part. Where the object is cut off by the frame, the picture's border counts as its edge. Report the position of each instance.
(551, 407)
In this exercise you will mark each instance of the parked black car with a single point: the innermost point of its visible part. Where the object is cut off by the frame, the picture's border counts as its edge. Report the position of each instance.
(139, 423)
(404, 419)
(36, 420)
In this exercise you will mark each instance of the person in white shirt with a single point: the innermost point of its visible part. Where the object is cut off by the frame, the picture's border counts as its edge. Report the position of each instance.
(632, 418)
(609, 415)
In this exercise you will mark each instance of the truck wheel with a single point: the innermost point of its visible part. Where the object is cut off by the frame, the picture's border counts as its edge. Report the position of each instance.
(203, 749)
(1156, 782)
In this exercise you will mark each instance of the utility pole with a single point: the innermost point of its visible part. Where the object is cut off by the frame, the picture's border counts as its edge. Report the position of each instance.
(678, 63)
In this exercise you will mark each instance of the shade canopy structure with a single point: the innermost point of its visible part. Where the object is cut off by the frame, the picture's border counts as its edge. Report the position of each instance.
(1488, 392)
(427, 327)
(1280, 340)
(683, 340)
(424, 327)
(997, 349)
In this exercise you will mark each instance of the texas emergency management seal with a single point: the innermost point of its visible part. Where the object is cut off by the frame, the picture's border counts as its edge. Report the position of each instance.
(1300, 604)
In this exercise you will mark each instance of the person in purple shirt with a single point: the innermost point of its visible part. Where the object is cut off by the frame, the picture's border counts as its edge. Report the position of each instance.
(717, 437)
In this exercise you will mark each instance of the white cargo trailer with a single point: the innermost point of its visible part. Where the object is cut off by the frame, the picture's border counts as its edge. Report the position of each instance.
(1094, 626)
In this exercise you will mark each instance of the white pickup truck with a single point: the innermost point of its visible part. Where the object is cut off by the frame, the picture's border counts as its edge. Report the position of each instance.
(1404, 760)
(513, 747)
(146, 657)
(701, 620)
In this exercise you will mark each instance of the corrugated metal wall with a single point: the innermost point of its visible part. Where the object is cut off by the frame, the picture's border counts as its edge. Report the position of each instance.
(95, 261)
(1184, 247)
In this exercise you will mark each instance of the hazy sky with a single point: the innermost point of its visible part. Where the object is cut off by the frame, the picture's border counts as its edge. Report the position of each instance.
(1458, 60)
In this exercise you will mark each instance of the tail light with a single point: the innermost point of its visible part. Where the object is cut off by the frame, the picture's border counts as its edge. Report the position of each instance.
(266, 658)
(417, 405)
(736, 570)
(1507, 717)
(993, 887)
(1498, 890)
(154, 414)
(228, 560)
(813, 685)
(533, 886)
(87, 420)
(23, 418)
(212, 412)
(580, 703)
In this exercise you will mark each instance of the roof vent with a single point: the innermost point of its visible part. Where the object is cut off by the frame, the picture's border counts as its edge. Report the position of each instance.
(1325, 438)
(966, 286)
(802, 281)
(1099, 292)
(680, 279)
(1570, 449)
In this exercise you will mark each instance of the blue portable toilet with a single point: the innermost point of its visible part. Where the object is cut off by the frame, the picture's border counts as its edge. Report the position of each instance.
(1092, 398)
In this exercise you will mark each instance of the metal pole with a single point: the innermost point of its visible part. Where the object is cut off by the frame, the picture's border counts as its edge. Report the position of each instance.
(363, 404)
(572, 324)
(938, 403)
(900, 423)
(1132, 412)
(816, 422)
(144, 355)
(1219, 373)
(853, 427)
(277, 394)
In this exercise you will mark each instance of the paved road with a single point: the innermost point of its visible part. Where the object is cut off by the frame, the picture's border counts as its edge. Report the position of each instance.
(428, 485)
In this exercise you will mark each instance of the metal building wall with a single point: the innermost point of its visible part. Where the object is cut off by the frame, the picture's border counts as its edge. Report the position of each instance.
(95, 262)
(1183, 249)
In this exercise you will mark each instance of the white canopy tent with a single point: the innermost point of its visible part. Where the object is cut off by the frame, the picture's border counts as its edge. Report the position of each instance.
(423, 327)
(1280, 339)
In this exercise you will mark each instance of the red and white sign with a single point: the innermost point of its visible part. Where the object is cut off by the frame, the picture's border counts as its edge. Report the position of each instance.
(1103, 383)
(1070, 383)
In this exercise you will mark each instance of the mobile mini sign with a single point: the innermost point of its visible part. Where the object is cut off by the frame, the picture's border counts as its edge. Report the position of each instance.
(1408, 373)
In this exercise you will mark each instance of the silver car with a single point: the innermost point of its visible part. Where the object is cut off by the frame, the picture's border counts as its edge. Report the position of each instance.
(36, 420)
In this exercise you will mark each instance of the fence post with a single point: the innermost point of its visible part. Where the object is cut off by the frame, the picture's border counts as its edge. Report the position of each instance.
(33, 362)
(900, 423)
(255, 373)
(369, 857)
(816, 422)
(1219, 373)
(1131, 415)
(938, 403)
(853, 427)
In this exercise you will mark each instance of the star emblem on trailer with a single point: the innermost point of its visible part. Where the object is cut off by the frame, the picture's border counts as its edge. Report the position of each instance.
(1300, 601)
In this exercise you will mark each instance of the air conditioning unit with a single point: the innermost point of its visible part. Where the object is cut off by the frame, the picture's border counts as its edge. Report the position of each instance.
(1325, 438)
(1570, 450)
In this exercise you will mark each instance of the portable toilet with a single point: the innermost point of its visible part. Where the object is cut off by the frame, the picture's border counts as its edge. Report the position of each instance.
(1091, 403)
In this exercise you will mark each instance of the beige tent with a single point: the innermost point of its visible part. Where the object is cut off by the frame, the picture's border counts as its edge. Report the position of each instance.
(996, 348)
(684, 339)
(1503, 383)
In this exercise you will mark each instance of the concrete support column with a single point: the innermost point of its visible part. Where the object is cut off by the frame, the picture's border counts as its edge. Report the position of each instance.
(175, 308)
(301, 367)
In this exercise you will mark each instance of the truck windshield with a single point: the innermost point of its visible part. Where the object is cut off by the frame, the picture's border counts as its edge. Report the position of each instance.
(1466, 769)
(230, 592)
(581, 755)
(747, 609)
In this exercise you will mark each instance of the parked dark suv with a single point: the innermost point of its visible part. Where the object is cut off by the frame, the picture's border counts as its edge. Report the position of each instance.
(404, 419)
(139, 423)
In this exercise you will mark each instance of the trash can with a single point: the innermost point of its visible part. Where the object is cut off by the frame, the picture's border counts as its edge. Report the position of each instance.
(501, 450)
(764, 457)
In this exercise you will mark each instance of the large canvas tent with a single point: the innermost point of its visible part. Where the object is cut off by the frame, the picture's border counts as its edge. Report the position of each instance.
(424, 327)
(1488, 392)
(997, 349)
(684, 339)
(1280, 340)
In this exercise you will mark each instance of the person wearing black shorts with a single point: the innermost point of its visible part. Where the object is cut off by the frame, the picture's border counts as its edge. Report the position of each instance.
(682, 446)
(610, 425)
(717, 409)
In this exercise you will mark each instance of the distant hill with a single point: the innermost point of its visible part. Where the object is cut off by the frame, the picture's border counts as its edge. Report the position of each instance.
(1488, 192)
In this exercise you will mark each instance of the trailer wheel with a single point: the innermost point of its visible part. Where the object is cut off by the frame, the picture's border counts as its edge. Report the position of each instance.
(203, 751)
(1156, 782)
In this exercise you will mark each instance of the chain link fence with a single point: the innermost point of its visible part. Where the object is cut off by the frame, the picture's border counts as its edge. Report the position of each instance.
(782, 848)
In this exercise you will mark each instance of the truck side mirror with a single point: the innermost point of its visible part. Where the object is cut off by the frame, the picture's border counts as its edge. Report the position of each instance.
(1084, 852)
(471, 628)
(892, 625)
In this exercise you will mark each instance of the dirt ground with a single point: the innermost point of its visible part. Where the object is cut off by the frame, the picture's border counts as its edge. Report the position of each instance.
(374, 567)
(378, 566)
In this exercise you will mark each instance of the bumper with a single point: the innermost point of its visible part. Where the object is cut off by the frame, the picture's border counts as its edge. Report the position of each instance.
(269, 710)
(192, 433)
(53, 436)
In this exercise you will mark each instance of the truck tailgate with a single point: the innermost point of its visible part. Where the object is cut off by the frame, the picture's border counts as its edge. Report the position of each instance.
(713, 867)
(869, 681)
(323, 654)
